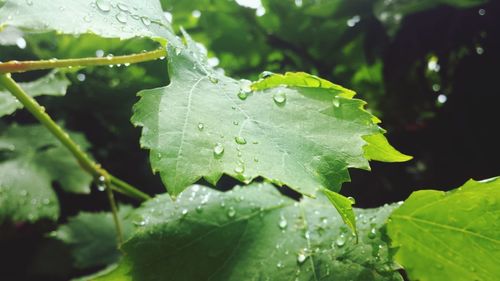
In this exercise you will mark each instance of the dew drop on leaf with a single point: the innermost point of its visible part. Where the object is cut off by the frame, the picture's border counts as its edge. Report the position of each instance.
(242, 95)
(340, 242)
(122, 17)
(282, 223)
(240, 140)
(213, 79)
(218, 149)
(122, 7)
(279, 97)
(201, 126)
(301, 257)
(231, 212)
(353, 201)
(184, 212)
(265, 74)
(239, 169)
(372, 234)
(103, 5)
(146, 21)
(280, 265)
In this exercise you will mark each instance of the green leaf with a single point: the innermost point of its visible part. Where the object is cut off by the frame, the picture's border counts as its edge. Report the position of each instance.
(92, 237)
(31, 159)
(127, 19)
(449, 235)
(378, 148)
(302, 135)
(253, 233)
(53, 84)
(344, 207)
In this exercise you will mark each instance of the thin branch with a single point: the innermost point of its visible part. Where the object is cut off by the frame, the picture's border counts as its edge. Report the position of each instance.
(22, 66)
(83, 159)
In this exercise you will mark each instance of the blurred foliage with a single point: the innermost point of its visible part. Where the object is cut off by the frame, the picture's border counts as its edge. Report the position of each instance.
(428, 68)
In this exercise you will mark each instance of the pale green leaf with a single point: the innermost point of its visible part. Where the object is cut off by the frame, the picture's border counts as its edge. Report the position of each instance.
(344, 207)
(205, 124)
(52, 84)
(92, 237)
(379, 149)
(449, 235)
(31, 159)
(128, 18)
(253, 233)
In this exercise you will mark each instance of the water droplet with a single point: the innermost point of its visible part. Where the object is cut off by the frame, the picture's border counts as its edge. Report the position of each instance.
(236, 123)
(279, 97)
(86, 19)
(218, 149)
(103, 5)
(101, 183)
(240, 140)
(301, 257)
(372, 234)
(146, 21)
(231, 212)
(245, 86)
(24, 193)
(239, 169)
(265, 74)
(199, 209)
(122, 17)
(178, 51)
(21, 43)
(201, 126)
(242, 95)
(46, 201)
(353, 201)
(80, 77)
(29, 2)
(213, 79)
(336, 102)
(340, 242)
(122, 7)
(184, 212)
(282, 223)
(482, 12)
(280, 265)
(99, 53)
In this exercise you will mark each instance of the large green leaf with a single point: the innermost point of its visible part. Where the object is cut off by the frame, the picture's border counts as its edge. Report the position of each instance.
(123, 19)
(31, 159)
(205, 124)
(53, 84)
(92, 237)
(449, 235)
(253, 233)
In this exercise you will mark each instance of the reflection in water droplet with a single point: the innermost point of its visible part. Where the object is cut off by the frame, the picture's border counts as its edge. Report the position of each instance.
(218, 149)
(122, 17)
(240, 140)
(103, 5)
(231, 212)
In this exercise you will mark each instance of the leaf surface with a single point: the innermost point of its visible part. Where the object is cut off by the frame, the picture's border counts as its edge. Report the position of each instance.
(53, 84)
(92, 237)
(252, 233)
(449, 235)
(31, 159)
(106, 18)
(288, 130)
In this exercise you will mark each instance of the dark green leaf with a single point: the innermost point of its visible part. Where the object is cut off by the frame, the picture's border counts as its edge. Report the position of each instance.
(53, 84)
(449, 235)
(92, 237)
(31, 159)
(253, 233)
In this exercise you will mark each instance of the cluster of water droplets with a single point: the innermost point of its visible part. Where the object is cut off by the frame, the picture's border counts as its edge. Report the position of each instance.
(123, 12)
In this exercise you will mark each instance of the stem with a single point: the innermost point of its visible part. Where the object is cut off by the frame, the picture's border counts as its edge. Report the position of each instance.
(22, 66)
(83, 159)
(114, 211)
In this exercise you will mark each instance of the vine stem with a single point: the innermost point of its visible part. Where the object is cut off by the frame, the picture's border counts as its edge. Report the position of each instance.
(84, 160)
(22, 66)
